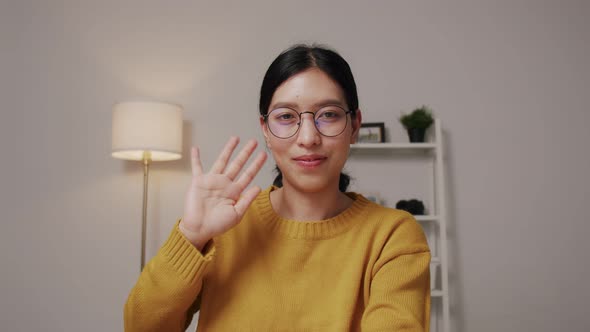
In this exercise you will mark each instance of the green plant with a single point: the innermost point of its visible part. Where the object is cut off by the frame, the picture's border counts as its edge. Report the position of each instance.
(420, 118)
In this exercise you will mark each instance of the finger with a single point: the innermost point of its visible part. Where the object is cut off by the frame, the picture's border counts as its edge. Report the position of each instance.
(196, 165)
(251, 171)
(246, 199)
(236, 165)
(224, 156)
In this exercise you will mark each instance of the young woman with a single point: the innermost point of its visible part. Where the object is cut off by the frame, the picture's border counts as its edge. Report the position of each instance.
(302, 255)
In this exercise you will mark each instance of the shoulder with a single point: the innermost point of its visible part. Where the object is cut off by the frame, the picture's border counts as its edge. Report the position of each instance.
(396, 229)
(385, 217)
(402, 223)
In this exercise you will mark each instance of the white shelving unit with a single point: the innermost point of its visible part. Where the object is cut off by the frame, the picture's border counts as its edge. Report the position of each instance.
(434, 224)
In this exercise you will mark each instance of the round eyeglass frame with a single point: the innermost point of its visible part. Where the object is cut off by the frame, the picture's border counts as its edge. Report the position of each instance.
(265, 117)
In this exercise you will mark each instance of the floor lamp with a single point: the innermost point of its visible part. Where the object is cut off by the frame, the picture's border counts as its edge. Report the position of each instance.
(146, 132)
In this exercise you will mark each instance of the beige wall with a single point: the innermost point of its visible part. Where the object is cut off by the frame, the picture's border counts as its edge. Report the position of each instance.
(509, 79)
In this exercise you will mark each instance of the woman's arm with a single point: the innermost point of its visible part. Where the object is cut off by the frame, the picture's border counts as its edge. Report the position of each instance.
(399, 298)
(164, 297)
(214, 203)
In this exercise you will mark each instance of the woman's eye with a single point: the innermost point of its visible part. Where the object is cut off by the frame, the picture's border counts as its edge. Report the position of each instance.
(285, 116)
(331, 115)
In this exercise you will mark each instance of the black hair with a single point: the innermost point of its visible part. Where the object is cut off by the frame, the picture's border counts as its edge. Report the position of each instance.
(297, 59)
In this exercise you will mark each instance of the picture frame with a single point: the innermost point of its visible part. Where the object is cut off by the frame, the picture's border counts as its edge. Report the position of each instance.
(372, 132)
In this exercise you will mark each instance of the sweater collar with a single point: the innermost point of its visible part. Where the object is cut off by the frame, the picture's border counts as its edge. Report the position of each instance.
(319, 229)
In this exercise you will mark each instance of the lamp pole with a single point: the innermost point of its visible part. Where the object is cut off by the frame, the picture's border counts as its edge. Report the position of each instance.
(146, 168)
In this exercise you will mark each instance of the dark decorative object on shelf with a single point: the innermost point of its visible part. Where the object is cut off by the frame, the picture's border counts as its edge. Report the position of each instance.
(413, 206)
(417, 122)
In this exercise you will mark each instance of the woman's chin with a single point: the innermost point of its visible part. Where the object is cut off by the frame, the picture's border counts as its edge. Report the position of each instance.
(310, 184)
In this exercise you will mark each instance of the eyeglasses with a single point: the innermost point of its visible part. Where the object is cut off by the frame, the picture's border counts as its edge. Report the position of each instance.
(285, 122)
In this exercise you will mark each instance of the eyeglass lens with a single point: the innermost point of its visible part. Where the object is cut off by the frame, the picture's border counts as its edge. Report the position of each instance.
(285, 122)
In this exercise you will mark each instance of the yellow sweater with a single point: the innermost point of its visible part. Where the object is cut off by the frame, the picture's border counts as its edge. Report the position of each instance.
(366, 269)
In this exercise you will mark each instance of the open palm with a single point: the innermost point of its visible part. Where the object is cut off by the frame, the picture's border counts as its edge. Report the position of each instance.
(217, 200)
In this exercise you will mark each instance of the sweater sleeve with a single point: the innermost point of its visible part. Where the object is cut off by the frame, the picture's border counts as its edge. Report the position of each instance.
(399, 295)
(165, 295)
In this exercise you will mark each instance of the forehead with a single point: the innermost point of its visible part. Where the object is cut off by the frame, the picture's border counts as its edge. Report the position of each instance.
(307, 88)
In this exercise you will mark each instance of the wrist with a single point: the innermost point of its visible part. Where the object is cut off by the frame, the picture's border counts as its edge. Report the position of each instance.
(196, 238)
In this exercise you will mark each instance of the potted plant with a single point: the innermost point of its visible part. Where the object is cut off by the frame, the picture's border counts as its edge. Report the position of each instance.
(417, 122)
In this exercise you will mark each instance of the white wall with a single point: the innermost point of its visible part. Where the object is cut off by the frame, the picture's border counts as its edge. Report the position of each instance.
(509, 79)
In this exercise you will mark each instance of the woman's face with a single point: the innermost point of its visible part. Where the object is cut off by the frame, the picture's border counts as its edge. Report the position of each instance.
(309, 161)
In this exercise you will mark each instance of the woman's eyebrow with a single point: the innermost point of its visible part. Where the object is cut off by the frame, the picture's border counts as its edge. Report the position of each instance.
(330, 102)
(283, 105)
(321, 103)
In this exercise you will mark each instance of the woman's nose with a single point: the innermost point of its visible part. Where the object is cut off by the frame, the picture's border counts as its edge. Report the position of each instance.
(308, 134)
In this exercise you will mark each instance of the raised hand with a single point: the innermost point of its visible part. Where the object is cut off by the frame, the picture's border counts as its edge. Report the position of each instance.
(216, 201)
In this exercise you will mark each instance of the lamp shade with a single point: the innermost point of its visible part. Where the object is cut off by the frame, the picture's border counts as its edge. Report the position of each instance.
(152, 127)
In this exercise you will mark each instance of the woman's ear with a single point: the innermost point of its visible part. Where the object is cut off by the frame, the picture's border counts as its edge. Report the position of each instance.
(265, 132)
(356, 125)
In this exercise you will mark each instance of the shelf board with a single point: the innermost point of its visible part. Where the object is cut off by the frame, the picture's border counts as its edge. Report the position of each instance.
(435, 260)
(426, 217)
(394, 146)
(436, 293)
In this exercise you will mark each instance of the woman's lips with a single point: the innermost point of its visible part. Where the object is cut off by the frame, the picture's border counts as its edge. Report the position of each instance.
(310, 163)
